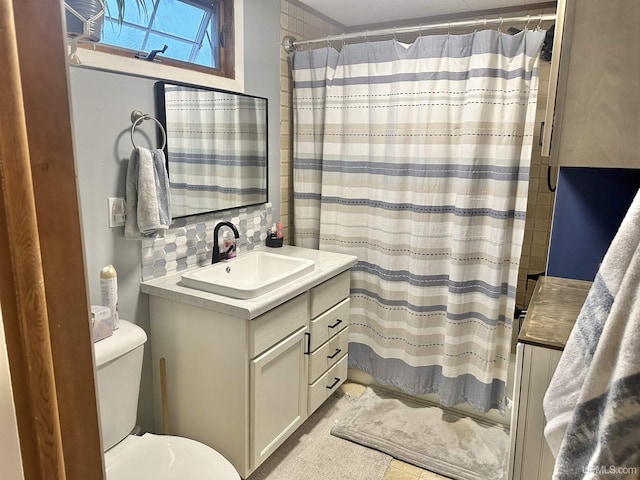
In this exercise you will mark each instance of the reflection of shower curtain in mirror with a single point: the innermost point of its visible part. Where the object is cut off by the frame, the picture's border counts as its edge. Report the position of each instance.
(415, 158)
(212, 138)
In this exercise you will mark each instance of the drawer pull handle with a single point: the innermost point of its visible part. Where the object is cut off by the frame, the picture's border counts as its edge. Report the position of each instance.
(335, 382)
(334, 355)
(308, 347)
(338, 322)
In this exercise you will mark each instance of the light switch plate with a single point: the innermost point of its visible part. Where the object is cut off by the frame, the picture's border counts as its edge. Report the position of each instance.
(116, 211)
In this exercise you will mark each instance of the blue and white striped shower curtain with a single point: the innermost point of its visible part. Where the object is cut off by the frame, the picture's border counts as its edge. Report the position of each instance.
(416, 159)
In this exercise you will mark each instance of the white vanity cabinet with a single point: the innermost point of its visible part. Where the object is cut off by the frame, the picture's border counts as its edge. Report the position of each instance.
(236, 385)
(554, 307)
(242, 375)
(327, 339)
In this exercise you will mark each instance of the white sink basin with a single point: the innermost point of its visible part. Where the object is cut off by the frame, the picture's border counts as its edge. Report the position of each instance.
(249, 275)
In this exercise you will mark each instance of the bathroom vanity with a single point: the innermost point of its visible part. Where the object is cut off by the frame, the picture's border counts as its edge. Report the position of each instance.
(552, 312)
(240, 375)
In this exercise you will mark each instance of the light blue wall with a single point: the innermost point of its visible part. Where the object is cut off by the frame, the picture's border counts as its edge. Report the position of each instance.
(101, 105)
(262, 76)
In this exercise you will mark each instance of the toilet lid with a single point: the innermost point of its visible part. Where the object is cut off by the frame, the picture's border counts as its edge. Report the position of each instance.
(165, 457)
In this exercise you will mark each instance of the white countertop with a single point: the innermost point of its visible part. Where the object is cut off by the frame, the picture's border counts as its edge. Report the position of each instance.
(327, 265)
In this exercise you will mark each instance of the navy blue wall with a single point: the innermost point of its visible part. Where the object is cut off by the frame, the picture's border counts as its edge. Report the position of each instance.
(590, 204)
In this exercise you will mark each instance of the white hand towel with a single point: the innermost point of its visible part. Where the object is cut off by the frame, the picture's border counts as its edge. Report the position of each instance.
(592, 405)
(162, 188)
(147, 194)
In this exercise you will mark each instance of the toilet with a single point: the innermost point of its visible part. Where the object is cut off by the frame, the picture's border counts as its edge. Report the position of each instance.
(154, 457)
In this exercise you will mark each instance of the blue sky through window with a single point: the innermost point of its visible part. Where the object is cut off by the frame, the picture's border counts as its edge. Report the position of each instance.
(189, 28)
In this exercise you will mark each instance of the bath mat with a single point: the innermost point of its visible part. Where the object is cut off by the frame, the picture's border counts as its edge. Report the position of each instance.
(430, 437)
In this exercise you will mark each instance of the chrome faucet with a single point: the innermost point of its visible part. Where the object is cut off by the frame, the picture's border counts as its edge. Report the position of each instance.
(217, 255)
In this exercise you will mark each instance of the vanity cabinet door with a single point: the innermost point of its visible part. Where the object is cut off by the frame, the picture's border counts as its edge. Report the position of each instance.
(530, 457)
(278, 395)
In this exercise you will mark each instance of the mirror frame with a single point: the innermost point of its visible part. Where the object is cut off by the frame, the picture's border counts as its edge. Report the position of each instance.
(161, 115)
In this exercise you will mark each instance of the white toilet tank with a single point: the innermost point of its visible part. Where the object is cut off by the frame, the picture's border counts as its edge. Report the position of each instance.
(118, 371)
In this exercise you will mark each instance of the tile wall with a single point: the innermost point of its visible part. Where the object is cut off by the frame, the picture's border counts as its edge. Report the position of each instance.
(303, 24)
(540, 204)
(189, 240)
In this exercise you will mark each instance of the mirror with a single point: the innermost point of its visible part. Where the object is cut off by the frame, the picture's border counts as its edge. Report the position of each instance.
(216, 147)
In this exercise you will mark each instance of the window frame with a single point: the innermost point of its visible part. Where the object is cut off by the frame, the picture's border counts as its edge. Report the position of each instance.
(226, 27)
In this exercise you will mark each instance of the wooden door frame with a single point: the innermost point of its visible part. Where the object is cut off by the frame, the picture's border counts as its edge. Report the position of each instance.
(43, 291)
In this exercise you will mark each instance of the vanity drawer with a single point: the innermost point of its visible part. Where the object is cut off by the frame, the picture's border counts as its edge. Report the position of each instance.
(328, 324)
(271, 327)
(327, 384)
(329, 293)
(328, 354)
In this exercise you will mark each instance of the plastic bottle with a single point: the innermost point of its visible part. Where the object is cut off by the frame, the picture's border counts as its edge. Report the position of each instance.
(109, 292)
(279, 230)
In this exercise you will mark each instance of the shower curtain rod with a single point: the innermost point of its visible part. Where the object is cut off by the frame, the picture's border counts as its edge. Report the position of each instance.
(289, 43)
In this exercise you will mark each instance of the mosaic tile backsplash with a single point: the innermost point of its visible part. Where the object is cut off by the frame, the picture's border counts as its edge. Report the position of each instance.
(189, 241)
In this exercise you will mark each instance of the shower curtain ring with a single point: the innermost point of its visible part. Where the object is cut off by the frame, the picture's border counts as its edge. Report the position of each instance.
(526, 25)
(394, 33)
(539, 27)
(500, 26)
(328, 42)
(342, 38)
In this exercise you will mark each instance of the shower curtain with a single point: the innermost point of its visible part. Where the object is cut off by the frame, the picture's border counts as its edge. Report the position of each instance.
(415, 158)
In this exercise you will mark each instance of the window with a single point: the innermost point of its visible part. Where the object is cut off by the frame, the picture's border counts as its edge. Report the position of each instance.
(198, 33)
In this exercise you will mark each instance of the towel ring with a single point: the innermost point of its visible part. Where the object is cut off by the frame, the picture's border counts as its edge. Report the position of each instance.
(137, 117)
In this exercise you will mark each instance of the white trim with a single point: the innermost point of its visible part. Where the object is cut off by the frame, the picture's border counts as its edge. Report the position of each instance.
(116, 63)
